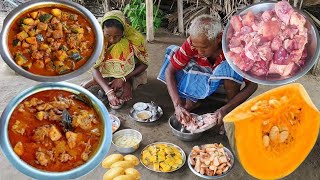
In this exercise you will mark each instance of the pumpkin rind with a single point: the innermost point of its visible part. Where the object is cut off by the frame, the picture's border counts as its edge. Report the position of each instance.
(291, 121)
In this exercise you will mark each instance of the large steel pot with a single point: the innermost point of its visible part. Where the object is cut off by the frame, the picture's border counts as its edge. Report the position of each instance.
(313, 48)
(35, 173)
(10, 18)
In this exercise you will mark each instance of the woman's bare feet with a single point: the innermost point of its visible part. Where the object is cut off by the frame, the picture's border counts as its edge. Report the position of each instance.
(89, 83)
(127, 92)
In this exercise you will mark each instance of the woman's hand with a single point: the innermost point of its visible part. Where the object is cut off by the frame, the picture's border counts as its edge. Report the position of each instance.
(220, 113)
(113, 99)
(117, 84)
(182, 115)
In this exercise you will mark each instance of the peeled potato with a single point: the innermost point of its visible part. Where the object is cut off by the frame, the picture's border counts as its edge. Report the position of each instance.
(113, 172)
(109, 160)
(132, 158)
(131, 171)
(124, 177)
(123, 164)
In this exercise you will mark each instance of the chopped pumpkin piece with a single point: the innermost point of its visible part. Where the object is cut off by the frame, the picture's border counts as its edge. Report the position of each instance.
(22, 35)
(42, 26)
(31, 40)
(63, 69)
(43, 47)
(27, 65)
(25, 45)
(58, 63)
(39, 64)
(61, 55)
(25, 27)
(56, 12)
(34, 14)
(57, 34)
(18, 148)
(77, 30)
(32, 33)
(20, 59)
(36, 22)
(28, 21)
(41, 115)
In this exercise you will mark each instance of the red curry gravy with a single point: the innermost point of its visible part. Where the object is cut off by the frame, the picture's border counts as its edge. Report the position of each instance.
(51, 41)
(36, 140)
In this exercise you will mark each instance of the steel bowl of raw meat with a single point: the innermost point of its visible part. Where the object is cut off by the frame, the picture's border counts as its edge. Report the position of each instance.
(271, 43)
(194, 128)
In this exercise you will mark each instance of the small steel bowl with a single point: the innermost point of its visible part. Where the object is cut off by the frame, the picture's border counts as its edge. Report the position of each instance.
(25, 7)
(131, 132)
(180, 132)
(35, 173)
(217, 176)
(313, 48)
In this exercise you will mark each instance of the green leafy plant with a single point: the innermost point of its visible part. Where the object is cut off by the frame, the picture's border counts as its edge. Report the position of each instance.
(136, 12)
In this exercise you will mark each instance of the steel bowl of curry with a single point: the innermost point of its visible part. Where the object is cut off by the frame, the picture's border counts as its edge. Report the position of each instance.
(50, 41)
(55, 130)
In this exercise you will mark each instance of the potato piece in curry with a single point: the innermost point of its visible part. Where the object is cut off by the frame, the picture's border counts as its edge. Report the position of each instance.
(38, 136)
(50, 41)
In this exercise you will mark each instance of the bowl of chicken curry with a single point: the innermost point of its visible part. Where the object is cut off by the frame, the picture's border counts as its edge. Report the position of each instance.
(50, 40)
(55, 131)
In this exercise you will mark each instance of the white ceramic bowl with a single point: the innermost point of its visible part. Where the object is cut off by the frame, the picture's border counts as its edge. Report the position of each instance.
(139, 106)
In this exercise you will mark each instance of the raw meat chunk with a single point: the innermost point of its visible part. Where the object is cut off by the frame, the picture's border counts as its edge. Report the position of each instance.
(283, 10)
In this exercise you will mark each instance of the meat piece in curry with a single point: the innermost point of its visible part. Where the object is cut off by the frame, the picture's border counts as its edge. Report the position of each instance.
(38, 136)
(50, 41)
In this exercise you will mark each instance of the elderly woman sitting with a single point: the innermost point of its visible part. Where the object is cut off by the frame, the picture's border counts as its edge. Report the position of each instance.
(123, 61)
(196, 69)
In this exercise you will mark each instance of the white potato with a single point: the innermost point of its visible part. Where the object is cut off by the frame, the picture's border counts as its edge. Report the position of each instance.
(123, 164)
(113, 172)
(109, 160)
(132, 158)
(133, 172)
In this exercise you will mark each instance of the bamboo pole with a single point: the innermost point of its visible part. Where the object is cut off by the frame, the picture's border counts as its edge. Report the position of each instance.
(149, 19)
(180, 16)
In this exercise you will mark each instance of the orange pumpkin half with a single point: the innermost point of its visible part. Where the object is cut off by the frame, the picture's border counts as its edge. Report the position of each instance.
(274, 132)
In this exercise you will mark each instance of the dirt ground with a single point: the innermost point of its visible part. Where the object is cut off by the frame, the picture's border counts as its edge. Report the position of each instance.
(11, 84)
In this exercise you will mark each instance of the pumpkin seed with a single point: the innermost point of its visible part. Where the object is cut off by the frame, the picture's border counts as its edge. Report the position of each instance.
(266, 122)
(283, 136)
(266, 140)
(274, 133)
(283, 128)
(274, 103)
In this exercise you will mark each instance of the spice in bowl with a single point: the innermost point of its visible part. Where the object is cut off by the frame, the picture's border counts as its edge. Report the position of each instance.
(127, 140)
(144, 115)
